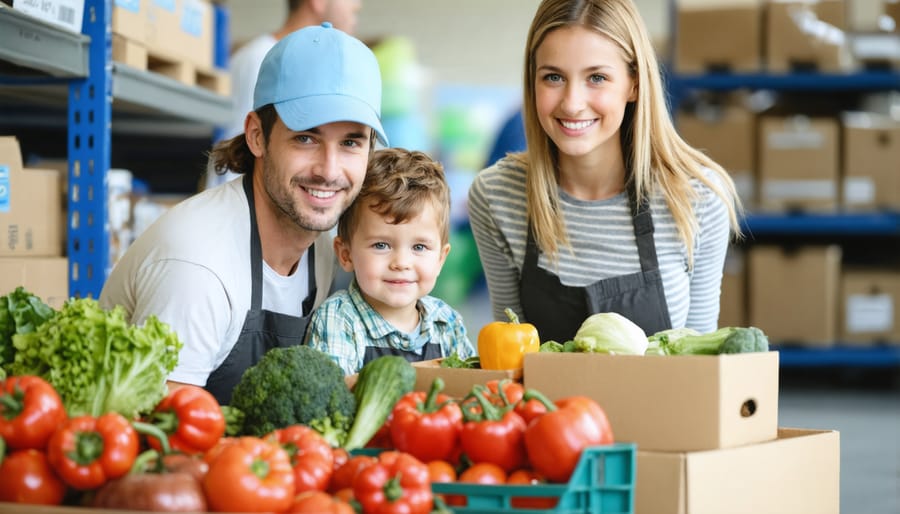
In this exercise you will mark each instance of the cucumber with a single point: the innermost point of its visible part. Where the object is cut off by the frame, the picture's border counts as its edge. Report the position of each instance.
(380, 384)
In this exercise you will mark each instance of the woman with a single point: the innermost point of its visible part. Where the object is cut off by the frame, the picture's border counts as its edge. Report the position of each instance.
(621, 214)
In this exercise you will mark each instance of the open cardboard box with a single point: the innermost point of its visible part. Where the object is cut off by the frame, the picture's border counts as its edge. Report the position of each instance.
(458, 382)
(669, 403)
(798, 472)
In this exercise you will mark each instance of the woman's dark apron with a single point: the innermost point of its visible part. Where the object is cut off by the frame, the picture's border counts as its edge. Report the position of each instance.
(262, 330)
(558, 310)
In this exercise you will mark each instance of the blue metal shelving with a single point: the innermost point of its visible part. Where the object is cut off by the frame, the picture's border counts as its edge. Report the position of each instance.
(827, 224)
(839, 356)
(866, 224)
(94, 82)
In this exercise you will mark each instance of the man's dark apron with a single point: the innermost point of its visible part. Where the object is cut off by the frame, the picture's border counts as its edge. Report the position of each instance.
(262, 330)
(558, 310)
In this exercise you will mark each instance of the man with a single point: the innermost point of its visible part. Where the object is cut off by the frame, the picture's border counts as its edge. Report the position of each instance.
(244, 64)
(238, 269)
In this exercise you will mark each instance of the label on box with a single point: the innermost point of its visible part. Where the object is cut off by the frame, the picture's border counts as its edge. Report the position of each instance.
(168, 5)
(799, 189)
(4, 188)
(870, 313)
(63, 13)
(129, 5)
(795, 140)
(859, 190)
(192, 18)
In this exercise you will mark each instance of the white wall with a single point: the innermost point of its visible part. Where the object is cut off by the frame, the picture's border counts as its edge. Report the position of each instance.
(459, 41)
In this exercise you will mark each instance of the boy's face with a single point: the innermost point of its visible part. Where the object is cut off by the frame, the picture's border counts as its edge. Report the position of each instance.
(395, 265)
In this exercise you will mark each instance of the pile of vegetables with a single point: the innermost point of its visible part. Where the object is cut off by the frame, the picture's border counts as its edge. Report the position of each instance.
(612, 333)
(21, 312)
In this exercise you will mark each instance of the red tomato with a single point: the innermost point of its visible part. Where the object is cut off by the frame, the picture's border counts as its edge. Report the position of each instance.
(319, 503)
(441, 471)
(343, 476)
(28, 478)
(527, 476)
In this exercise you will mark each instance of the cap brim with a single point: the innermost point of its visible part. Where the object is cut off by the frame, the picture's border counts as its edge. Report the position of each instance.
(313, 111)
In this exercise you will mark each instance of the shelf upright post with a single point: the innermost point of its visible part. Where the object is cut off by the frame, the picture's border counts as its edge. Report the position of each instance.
(89, 148)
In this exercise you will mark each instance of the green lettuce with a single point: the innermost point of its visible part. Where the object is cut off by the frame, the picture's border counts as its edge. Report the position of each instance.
(97, 361)
(21, 312)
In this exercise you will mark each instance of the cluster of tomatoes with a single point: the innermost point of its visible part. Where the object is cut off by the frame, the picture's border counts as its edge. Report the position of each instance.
(178, 459)
(500, 433)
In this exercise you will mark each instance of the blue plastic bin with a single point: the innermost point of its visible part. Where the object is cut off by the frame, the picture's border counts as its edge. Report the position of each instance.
(602, 483)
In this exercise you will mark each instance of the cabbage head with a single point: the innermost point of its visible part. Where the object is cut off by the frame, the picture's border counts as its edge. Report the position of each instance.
(612, 333)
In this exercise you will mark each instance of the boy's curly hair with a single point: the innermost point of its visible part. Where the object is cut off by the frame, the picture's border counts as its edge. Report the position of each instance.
(399, 183)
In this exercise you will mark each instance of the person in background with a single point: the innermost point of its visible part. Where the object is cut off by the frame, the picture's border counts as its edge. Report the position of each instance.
(243, 66)
(236, 270)
(608, 209)
(395, 238)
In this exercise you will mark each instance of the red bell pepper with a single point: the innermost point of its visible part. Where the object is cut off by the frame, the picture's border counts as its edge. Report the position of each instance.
(397, 483)
(86, 451)
(311, 457)
(427, 425)
(492, 433)
(30, 411)
(554, 441)
(192, 419)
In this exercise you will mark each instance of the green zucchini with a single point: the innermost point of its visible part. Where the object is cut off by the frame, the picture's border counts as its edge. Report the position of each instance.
(381, 383)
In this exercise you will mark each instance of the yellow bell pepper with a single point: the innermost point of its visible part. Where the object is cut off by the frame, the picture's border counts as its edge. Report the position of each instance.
(503, 345)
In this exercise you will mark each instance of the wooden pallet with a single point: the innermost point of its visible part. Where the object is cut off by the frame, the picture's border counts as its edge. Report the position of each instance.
(137, 55)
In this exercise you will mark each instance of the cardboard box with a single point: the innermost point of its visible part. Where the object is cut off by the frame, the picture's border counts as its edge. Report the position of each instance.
(870, 306)
(892, 9)
(183, 29)
(807, 34)
(727, 133)
(30, 207)
(674, 403)
(871, 144)
(46, 277)
(798, 472)
(794, 293)
(68, 14)
(458, 382)
(129, 20)
(798, 163)
(726, 38)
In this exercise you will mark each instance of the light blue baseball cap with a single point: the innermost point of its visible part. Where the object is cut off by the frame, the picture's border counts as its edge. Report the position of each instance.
(318, 75)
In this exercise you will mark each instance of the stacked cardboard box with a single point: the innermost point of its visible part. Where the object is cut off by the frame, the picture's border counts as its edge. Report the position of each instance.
(718, 35)
(726, 131)
(807, 34)
(799, 163)
(871, 153)
(170, 37)
(31, 253)
(706, 430)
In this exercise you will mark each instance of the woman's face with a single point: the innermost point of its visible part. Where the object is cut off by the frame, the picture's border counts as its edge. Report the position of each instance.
(582, 86)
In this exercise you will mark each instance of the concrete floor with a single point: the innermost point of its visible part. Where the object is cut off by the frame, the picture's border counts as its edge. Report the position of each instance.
(863, 404)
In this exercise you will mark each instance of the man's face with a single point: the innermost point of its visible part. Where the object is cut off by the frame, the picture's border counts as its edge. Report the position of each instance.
(311, 176)
(343, 14)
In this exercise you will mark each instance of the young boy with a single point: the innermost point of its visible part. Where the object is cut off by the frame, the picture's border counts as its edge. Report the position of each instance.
(394, 238)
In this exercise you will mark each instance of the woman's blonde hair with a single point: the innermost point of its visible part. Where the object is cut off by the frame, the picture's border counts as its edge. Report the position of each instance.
(654, 153)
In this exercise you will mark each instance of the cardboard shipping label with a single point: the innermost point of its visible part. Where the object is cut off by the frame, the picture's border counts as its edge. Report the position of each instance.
(4, 188)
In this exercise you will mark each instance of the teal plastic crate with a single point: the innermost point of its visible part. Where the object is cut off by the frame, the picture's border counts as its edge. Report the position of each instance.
(602, 483)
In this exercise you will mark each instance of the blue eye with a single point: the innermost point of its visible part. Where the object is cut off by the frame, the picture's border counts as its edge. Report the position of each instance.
(596, 79)
(553, 77)
(420, 248)
(380, 246)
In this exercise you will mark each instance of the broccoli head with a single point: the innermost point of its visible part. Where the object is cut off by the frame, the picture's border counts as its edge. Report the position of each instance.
(295, 385)
(745, 340)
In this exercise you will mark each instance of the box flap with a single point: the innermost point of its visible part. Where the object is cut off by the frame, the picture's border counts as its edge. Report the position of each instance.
(10, 153)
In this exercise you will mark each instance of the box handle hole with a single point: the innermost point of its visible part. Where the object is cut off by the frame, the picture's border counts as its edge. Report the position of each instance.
(748, 408)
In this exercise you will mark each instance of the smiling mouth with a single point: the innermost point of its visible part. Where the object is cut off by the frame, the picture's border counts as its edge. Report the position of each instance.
(319, 193)
(576, 125)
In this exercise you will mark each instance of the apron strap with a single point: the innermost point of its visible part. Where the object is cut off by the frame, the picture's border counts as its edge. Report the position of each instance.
(643, 231)
(255, 248)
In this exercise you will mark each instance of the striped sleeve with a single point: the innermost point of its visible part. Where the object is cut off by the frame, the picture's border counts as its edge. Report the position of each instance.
(709, 260)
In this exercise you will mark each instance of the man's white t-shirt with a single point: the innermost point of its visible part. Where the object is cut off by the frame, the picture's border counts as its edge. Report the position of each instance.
(191, 269)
